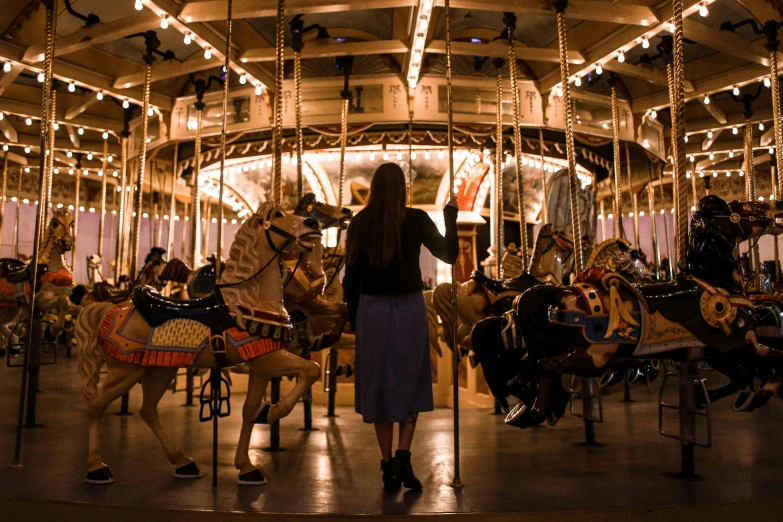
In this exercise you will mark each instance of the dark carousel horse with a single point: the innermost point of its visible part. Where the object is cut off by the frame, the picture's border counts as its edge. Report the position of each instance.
(584, 328)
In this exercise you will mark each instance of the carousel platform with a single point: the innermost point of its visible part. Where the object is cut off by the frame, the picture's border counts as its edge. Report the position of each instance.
(332, 473)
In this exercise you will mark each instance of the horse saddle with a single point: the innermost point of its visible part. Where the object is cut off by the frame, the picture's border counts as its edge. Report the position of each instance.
(156, 309)
(204, 282)
(498, 286)
(15, 271)
(676, 300)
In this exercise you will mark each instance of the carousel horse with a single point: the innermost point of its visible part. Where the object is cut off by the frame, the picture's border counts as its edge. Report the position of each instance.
(584, 328)
(94, 270)
(243, 321)
(55, 279)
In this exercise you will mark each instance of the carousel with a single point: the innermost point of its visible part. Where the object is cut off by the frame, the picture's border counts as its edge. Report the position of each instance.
(178, 177)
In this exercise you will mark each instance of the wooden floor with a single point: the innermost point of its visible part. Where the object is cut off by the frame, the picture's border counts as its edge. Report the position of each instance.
(539, 474)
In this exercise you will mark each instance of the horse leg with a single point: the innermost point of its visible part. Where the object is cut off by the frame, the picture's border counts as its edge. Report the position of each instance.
(248, 473)
(154, 385)
(120, 379)
(281, 363)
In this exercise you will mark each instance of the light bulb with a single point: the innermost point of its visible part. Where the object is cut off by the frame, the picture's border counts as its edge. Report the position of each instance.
(125, 104)
(440, 155)
(138, 5)
(693, 159)
(150, 111)
(742, 173)
(712, 156)
(188, 38)
(259, 90)
(208, 53)
(71, 87)
(706, 99)
(110, 159)
(645, 43)
(772, 150)
(2, 116)
(735, 130)
(714, 174)
(372, 156)
(28, 121)
(7, 67)
(27, 150)
(80, 131)
(598, 69)
(385, 156)
(621, 57)
(105, 135)
(89, 155)
(731, 154)
(399, 156)
(709, 134)
(767, 83)
(559, 91)
(99, 95)
(735, 91)
(5, 148)
(242, 79)
(654, 114)
(426, 155)
(761, 126)
(164, 22)
(671, 27)
(413, 155)
(703, 11)
(578, 81)
(41, 77)
(686, 138)
(69, 154)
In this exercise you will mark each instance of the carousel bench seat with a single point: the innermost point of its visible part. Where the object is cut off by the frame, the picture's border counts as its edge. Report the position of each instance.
(156, 309)
(498, 286)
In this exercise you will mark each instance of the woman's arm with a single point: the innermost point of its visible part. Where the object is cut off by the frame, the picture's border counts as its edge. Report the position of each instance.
(444, 248)
(352, 277)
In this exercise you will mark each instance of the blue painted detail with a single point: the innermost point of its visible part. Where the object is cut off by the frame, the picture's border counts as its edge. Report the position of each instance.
(594, 327)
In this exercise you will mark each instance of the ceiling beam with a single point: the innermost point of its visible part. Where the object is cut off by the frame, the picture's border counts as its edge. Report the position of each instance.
(9, 77)
(318, 49)
(73, 112)
(624, 38)
(8, 131)
(167, 70)
(653, 76)
(577, 9)
(727, 43)
(74, 137)
(732, 120)
(711, 85)
(206, 34)
(707, 143)
(213, 10)
(715, 111)
(500, 50)
(24, 109)
(96, 34)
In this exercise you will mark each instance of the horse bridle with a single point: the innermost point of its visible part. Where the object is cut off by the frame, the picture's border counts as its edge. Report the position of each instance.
(269, 229)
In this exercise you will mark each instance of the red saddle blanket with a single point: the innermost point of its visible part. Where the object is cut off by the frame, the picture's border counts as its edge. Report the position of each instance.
(174, 344)
(62, 277)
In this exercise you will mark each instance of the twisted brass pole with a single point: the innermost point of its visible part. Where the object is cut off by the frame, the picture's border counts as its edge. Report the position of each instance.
(455, 355)
(104, 175)
(602, 209)
(173, 203)
(777, 126)
(277, 136)
(499, 239)
(51, 27)
(77, 189)
(222, 186)
(139, 195)
(674, 148)
(510, 20)
(653, 229)
(298, 110)
(50, 153)
(680, 160)
(750, 194)
(634, 198)
(15, 250)
(3, 192)
(121, 213)
(776, 248)
(343, 143)
(544, 191)
(195, 191)
(618, 196)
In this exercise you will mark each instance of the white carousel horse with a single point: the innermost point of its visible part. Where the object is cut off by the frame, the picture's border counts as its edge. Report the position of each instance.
(54, 285)
(254, 332)
(94, 270)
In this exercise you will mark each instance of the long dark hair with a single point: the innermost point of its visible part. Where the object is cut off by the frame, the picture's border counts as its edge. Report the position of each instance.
(378, 225)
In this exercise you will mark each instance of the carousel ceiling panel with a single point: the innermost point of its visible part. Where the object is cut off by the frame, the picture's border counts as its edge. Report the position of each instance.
(377, 22)
(106, 11)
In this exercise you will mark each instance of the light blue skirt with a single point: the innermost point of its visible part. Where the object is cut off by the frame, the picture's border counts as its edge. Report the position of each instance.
(393, 366)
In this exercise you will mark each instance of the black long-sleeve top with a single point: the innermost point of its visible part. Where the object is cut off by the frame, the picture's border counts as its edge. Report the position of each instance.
(403, 275)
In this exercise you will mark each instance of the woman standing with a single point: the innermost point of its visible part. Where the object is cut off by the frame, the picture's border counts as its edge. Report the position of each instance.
(383, 290)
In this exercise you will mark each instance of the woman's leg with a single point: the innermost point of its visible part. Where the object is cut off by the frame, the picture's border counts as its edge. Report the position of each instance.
(384, 431)
(407, 427)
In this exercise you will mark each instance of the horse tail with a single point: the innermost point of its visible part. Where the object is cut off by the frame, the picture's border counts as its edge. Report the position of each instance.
(441, 301)
(89, 357)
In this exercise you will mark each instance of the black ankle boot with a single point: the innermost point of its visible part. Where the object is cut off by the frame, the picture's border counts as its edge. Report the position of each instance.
(404, 471)
(390, 480)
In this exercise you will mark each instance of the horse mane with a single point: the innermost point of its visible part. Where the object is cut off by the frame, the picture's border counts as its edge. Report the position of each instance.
(242, 259)
(710, 248)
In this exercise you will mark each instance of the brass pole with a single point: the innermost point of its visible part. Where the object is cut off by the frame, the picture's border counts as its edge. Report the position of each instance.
(343, 143)
(680, 160)
(104, 175)
(410, 158)
(185, 218)
(666, 224)
(123, 210)
(51, 28)
(455, 355)
(510, 20)
(195, 194)
(750, 194)
(50, 154)
(675, 165)
(603, 219)
(298, 109)
(654, 230)
(16, 214)
(618, 196)
(3, 193)
(499, 220)
(277, 136)
(222, 186)
(776, 247)
(634, 198)
(544, 188)
(77, 200)
(139, 195)
(172, 204)
(778, 130)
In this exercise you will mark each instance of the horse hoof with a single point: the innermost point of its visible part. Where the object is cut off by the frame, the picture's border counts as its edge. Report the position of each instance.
(520, 417)
(252, 478)
(188, 471)
(262, 417)
(99, 476)
(744, 400)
